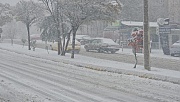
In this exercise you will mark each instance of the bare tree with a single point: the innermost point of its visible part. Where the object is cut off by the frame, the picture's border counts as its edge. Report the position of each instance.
(75, 13)
(28, 12)
(10, 30)
(5, 14)
(54, 7)
(81, 11)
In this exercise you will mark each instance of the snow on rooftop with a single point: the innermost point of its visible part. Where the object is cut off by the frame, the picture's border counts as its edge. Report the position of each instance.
(133, 23)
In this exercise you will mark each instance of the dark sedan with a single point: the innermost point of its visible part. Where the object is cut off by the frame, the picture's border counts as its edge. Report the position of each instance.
(102, 45)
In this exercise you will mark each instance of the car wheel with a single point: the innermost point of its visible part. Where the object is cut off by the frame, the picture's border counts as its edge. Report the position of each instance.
(87, 50)
(76, 51)
(172, 54)
(82, 43)
(100, 50)
(112, 52)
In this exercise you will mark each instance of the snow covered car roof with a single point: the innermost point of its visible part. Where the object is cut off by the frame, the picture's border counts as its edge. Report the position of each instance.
(107, 40)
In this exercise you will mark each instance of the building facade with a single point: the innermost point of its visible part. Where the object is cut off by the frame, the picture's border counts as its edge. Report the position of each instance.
(174, 10)
(133, 11)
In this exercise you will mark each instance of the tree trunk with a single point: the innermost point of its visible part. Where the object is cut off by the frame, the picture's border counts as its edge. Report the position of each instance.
(63, 47)
(67, 42)
(73, 41)
(64, 37)
(146, 37)
(59, 43)
(28, 30)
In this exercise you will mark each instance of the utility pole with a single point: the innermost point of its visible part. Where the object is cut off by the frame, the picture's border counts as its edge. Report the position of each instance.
(146, 40)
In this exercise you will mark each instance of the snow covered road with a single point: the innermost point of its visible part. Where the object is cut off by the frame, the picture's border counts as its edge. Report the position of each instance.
(25, 78)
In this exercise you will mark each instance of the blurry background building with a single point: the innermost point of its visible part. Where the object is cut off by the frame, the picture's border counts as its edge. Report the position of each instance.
(132, 12)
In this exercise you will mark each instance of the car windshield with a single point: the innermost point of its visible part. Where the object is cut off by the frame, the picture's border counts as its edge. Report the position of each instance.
(109, 41)
(83, 37)
(96, 41)
(86, 37)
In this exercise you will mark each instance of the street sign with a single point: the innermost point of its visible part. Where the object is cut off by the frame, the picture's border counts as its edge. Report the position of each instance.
(164, 30)
(163, 21)
(160, 21)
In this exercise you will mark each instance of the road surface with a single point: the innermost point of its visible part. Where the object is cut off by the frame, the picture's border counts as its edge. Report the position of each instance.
(28, 79)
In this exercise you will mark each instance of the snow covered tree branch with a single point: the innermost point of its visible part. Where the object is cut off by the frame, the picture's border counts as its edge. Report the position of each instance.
(28, 12)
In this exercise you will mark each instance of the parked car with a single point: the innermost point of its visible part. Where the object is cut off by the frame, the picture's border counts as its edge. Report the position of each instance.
(102, 45)
(175, 49)
(35, 37)
(83, 39)
(54, 46)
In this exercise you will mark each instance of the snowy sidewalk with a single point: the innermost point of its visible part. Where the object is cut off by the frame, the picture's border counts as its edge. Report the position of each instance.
(98, 64)
(124, 68)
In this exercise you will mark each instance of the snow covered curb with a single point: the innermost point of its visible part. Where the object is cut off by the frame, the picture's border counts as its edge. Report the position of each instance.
(143, 74)
(129, 72)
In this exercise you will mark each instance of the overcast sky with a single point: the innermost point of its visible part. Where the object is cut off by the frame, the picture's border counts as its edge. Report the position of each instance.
(12, 2)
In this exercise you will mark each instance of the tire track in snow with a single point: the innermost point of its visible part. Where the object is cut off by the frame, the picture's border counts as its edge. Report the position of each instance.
(71, 73)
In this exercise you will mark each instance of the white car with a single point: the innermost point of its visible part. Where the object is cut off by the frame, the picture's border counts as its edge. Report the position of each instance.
(54, 46)
(83, 39)
(175, 49)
